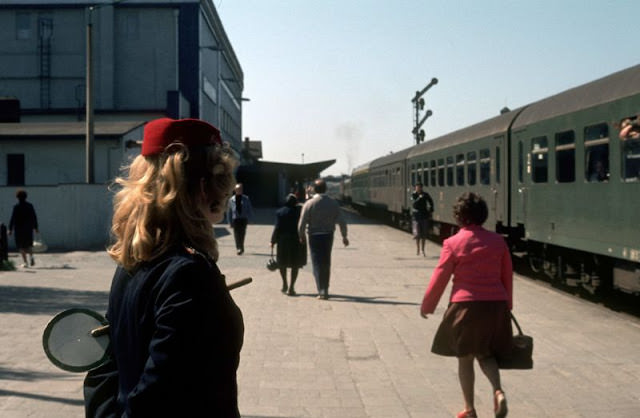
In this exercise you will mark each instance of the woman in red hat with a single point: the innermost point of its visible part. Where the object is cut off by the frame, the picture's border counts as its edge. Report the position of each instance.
(176, 333)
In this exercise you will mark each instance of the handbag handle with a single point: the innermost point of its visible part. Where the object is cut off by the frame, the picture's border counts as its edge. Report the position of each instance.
(513, 318)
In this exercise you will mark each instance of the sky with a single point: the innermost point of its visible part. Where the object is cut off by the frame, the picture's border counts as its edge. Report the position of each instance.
(334, 79)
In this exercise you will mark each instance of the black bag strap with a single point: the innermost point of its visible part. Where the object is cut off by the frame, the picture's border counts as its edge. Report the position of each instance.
(513, 318)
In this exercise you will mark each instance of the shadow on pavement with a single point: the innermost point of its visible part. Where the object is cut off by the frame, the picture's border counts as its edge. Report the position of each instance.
(377, 300)
(28, 375)
(47, 300)
(48, 398)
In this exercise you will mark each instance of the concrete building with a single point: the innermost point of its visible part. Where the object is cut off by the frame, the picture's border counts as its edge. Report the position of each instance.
(150, 59)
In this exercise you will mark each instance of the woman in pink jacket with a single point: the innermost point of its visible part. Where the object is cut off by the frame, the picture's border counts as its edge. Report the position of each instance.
(477, 323)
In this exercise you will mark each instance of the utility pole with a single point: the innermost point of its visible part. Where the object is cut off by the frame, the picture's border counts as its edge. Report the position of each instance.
(418, 105)
(89, 102)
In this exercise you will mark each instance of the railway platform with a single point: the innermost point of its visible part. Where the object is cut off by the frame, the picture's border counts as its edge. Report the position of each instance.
(362, 353)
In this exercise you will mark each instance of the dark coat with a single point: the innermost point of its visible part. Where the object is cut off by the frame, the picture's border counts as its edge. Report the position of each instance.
(176, 336)
(23, 222)
(290, 251)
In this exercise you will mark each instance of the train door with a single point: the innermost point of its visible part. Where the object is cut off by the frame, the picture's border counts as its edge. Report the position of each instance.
(499, 184)
(521, 168)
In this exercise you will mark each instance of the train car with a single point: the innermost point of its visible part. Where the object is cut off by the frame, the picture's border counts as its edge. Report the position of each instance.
(360, 187)
(470, 159)
(388, 197)
(575, 189)
(561, 180)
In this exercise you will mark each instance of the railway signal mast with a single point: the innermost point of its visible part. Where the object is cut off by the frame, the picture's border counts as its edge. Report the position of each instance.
(418, 105)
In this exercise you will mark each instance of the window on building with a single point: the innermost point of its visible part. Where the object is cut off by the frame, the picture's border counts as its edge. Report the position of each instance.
(596, 152)
(23, 26)
(539, 160)
(485, 166)
(449, 171)
(471, 168)
(419, 172)
(630, 150)
(440, 172)
(460, 169)
(130, 25)
(566, 157)
(15, 169)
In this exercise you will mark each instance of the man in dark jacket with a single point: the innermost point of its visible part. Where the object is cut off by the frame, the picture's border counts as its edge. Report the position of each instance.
(422, 210)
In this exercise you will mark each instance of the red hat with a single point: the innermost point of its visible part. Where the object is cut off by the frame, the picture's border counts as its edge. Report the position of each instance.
(160, 133)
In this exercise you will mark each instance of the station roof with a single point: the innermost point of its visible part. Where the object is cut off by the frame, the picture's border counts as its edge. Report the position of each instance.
(297, 171)
(65, 130)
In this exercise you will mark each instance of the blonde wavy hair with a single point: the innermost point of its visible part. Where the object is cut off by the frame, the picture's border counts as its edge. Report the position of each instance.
(157, 206)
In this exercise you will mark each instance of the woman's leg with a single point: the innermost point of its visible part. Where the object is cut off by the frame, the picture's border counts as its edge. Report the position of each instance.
(283, 274)
(467, 380)
(489, 367)
(294, 276)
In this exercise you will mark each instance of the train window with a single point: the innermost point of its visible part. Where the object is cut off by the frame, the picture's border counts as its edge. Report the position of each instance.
(540, 159)
(449, 171)
(596, 153)
(460, 169)
(599, 131)
(425, 173)
(520, 162)
(433, 173)
(471, 168)
(566, 157)
(440, 172)
(630, 136)
(498, 165)
(485, 166)
(413, 174)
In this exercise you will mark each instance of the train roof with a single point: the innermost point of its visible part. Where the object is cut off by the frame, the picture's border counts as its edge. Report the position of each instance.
(362, 168)
(391, 158)
(490, 127)
(604, 90)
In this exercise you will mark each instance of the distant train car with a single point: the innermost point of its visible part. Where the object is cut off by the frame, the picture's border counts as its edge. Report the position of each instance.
(360, 188)
(388, 196)
(561, 181)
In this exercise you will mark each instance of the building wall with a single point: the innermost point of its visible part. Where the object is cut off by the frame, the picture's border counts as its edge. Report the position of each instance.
(145, 59)
(58, 161)
(70, 217)
(143, 53)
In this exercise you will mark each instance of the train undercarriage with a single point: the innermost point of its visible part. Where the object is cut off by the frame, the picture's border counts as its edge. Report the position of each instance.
(593, 272)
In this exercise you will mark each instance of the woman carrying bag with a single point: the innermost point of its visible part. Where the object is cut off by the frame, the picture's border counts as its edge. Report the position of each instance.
(291, 253)
(477, 323)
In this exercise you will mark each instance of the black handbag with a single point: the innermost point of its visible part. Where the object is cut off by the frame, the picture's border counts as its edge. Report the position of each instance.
(272, 264)
(521, 356)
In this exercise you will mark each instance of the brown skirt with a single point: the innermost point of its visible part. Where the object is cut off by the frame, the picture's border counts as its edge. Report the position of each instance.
(480, 328)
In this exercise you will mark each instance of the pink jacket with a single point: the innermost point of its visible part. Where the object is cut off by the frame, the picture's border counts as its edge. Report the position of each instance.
(481, 266)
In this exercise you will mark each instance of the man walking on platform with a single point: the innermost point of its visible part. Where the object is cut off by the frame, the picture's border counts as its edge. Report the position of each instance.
(239, 214)
(319, 216)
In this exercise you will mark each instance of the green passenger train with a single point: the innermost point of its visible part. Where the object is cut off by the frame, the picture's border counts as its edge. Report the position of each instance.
(561, 177)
